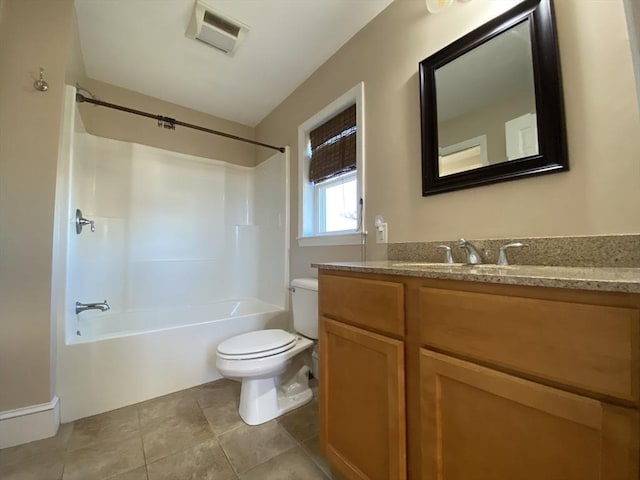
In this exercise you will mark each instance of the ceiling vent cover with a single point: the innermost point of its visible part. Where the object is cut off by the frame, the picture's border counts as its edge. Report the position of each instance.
(215, 29)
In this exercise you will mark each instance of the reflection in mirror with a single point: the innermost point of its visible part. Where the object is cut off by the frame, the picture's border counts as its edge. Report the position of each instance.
(488, 92)
(491, 106)
(463, 156)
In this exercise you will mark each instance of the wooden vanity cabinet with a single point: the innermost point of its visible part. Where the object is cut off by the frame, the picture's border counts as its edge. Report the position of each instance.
(527, 383)
(489, 382)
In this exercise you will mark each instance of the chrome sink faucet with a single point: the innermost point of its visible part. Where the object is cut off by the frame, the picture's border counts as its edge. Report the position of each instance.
(473, 256)
(502, 257)
(81, 307)
(447, 253)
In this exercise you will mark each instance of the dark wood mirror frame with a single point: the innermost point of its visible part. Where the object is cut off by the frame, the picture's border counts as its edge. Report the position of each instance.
(552, 156)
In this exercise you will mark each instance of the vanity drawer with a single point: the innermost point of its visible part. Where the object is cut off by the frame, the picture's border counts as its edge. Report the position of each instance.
(374, 304)
(591, 347)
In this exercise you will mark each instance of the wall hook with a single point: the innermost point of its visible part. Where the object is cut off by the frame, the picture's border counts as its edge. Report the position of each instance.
(40, 84)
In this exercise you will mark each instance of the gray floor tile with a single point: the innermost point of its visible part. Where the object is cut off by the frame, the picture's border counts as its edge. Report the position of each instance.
(165, 436)
(219, 393)
(139, 473)
(166, 407)
(291, 465)
(205, 461)
(248, 446)
(106, 427)
(46, 449)
(174, 437)
(35, 468)
(302, 423)
(104, 460)
(223, 418)
(313, 450)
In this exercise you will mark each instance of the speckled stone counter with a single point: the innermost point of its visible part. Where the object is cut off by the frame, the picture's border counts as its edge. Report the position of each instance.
(605, 279)
(619, 251)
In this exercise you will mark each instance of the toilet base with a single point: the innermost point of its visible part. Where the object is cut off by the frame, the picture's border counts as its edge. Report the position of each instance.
(263, 399)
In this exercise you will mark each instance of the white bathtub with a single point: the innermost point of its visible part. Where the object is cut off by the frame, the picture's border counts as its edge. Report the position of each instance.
(121, 359)
(106, 325)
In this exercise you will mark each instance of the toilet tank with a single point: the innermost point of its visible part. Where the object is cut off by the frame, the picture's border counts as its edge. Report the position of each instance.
(304, 294)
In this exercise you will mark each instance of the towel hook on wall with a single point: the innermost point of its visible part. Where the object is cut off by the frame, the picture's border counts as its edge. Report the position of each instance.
(40, 84)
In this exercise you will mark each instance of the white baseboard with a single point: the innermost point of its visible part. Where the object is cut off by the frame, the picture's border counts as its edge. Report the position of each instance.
(24, 425)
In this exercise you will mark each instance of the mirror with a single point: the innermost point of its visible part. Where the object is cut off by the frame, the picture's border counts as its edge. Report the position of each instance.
(491, 103)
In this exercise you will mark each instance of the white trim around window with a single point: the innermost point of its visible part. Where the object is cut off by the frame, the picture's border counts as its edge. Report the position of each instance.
(307, 228)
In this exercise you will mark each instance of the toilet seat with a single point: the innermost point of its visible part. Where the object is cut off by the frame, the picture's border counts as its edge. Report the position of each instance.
(258, 344)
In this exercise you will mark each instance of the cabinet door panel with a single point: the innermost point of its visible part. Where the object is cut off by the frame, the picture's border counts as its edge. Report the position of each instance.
(480, 424)
(362, 404)
(592, 347)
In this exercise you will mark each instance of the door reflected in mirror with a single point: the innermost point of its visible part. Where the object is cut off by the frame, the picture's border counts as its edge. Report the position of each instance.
(491, 103)
(462, 156)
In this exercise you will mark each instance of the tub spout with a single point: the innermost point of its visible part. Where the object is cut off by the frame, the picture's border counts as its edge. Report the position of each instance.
(81, 307)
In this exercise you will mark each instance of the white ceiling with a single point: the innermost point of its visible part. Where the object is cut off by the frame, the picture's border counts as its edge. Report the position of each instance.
(141, 45)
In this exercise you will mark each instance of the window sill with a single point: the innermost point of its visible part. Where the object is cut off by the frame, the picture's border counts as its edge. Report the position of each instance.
(331, 239)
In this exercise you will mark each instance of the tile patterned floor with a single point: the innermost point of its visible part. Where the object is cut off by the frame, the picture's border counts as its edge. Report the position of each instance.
(193, 434)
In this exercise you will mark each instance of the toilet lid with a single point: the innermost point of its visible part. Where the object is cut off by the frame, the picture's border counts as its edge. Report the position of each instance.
(256, 342)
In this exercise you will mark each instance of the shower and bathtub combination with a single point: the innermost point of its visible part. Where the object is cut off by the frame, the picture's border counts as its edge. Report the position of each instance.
(186, 252)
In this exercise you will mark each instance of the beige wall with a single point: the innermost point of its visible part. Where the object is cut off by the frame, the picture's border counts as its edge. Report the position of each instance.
(33, 33)
(132, 128)
(599, 195)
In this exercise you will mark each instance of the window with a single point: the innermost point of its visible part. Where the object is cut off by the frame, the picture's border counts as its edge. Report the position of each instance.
(331, 173)
(337, 201)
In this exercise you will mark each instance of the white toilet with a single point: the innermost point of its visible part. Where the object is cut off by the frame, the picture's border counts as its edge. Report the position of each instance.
(274, 377)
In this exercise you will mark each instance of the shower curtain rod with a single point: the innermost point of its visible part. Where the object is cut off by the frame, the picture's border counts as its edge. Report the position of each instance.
(170, 123)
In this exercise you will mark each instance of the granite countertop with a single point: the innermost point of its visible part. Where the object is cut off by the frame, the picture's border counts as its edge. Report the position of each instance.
(605, 279)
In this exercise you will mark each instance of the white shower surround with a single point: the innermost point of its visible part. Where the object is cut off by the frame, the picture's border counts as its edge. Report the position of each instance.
(188, 251)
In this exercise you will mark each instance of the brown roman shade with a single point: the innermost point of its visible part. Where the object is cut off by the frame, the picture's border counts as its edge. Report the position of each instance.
(333, 146)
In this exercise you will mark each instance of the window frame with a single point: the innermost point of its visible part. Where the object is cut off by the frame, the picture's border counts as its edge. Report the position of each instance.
(308, 234)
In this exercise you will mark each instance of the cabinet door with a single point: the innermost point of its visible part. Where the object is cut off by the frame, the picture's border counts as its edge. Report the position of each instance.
(362, 403)
(480, 424)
